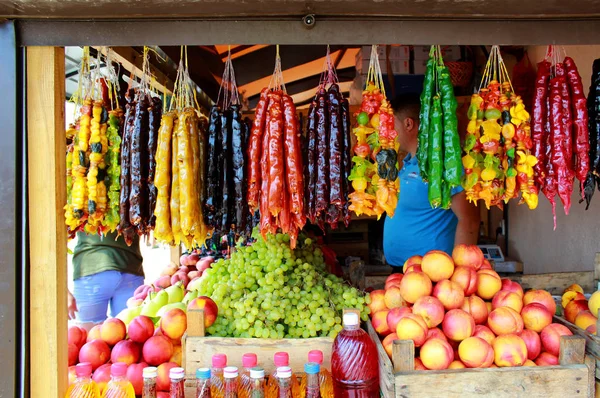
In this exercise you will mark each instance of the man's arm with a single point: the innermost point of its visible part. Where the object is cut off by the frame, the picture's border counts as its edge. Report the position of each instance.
(467, 229)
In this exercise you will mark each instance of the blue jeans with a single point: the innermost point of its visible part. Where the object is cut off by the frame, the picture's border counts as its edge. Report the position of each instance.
(94, 293)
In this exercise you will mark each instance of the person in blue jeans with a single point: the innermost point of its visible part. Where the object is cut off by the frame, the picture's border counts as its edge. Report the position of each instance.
(106, 272)
(416, 227)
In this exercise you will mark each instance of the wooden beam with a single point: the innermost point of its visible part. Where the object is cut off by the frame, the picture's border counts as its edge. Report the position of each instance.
(47, 233)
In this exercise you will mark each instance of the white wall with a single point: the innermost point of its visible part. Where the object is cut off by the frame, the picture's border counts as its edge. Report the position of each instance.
(573, 245)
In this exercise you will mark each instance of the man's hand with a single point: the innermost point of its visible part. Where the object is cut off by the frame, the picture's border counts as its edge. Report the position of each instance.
(71, 305)
(467, 230)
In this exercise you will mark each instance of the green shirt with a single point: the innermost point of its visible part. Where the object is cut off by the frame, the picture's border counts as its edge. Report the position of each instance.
(94, 254)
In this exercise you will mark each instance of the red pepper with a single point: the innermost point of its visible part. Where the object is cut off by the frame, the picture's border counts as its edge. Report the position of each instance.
(538, 122)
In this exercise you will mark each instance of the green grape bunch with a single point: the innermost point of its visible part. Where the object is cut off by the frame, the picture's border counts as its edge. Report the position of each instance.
(268, 290)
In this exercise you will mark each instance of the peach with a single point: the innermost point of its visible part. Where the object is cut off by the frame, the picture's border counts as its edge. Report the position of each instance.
(412, 327)
(458, 325)
(509, 350)
(486, 265)
(529, 362)
(392, 283)
(450, 294)
(457, 365)
(532, 342)
(125, 351)
(112, 331)
(95, 352)
(414, 268)
(394, 277)
(163, 383)
(574, 308)
(536, 317)
(546, 359)
(177, 354)
(475, 352)
(94, 333)
(437, 265)
(415, 285)
(592, 329)
(394, 316)
(436, 354)
(594, 303)
(436, 333)
(379, 321)
(157, 350)
(467, 255)
(169, 270)
(393, 298)
(163, 282)
(77, 336)
(431, 309)
(211, 311)
(542, 297)
(377, 301)
(505, 320)
(173, 323)
(140, 329)
(508, 299)
(574, 288)
(102, 376)
(550, 337)
(569, 296)
(135, 376)
(466, 277)
(485, 333)
(489, 306)
(388, 343)
(180, 276)
(477, 308)
(419, 364)
(512, 286)
(414, 260)
(488, 283)
(73, 354)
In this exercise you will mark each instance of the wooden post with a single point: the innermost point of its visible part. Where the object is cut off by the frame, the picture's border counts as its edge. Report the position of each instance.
(195, 323)
(403, 355)
(572, 350)
(47, 233)
(175, 254)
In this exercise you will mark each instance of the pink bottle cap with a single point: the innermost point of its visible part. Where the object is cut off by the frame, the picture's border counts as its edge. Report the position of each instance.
(249, 360)
(219, 360)
(83, 369)
(315, 356)
(118, 369)
(176, 373)
(281, 359)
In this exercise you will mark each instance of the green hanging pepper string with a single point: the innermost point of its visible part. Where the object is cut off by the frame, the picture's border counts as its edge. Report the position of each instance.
(436, 165)
(452, 151)
(424, 119)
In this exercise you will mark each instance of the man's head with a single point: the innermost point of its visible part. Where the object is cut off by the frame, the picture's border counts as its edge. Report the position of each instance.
(406, 120)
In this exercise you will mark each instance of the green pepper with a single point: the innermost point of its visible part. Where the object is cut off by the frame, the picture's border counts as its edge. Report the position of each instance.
(424, 119)
(446, 195)
(452, 152)
(436, 166)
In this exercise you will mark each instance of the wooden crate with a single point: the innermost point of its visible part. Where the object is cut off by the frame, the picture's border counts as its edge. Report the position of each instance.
(573, 378)
(592, 342)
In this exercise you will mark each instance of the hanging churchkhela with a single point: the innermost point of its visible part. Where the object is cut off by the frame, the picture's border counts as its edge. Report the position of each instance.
(593, 108)
(328, 161)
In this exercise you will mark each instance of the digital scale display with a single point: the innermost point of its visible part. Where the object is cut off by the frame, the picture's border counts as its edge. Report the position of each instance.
(492, 252)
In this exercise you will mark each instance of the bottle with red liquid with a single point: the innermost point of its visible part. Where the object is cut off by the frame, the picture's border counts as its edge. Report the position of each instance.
(313, 387)
(177, 376)
(249, 361)
(203, 383)
(354, 362)
(230, 374)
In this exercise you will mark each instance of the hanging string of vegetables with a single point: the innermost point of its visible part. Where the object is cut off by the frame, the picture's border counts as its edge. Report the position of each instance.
(498, 162)
(275, 166)
(593, 108)
(328, 161)
(438, 151)
(374, 172)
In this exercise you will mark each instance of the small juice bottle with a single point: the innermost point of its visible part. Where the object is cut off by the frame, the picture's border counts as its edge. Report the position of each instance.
(203, 383)
(217, 384)
(118, 386)
(324, 376)
(177, 389)
(84, 386)
(230, 374)
(284, 381)
(248, 361)
(312, 371)
(257, 383)
(149, 375)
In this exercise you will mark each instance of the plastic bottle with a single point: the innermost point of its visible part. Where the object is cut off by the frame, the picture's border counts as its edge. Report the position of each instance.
(284, 381)
(313, 386)
(257, 383)
(118, 386)
(230, 373)
(219, 362)
(324, 376)
(83, 386)
(177, 389)
(149, 375)
(203, 383)
(354, 362)
(248, 361)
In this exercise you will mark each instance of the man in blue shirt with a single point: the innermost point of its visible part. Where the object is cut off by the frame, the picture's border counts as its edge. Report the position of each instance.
(416, 227)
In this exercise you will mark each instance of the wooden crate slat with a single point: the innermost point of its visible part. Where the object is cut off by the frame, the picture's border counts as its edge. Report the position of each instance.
(386, 371)
(592, 342)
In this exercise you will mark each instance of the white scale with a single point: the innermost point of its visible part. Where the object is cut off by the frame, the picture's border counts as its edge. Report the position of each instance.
(494, 254)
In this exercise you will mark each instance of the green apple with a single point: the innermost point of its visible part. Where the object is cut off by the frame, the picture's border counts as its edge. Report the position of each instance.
(175, 292)
(169, 307)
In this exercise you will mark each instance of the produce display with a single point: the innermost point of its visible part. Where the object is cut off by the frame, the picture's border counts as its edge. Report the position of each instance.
(593, 108)
(461, 314)
(374, 172)
(580, 311)
(498, 161)
(438, 152)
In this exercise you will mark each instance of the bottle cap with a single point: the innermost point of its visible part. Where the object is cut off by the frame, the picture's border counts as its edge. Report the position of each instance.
(350, 319)
(230, 372)
(203, 373)
(284, 372)
(83, 369)
(315, 356)
(257, 373)
(249, 360)
(118, 369)
(149, 372)
(176, 373)
(219, 360)
(281, 359)
(312, 368)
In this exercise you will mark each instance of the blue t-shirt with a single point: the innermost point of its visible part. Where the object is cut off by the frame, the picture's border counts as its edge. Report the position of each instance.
(416, 227)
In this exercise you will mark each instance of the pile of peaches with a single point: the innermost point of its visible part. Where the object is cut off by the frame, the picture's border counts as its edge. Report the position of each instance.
(579, 310)
(460, 314)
